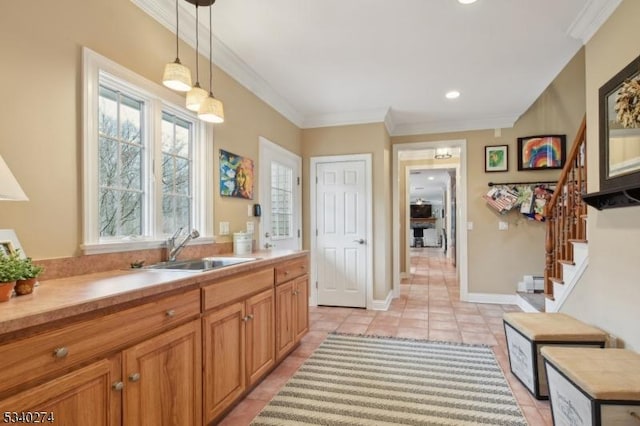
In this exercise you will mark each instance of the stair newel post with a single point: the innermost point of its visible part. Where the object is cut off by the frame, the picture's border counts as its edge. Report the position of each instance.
(548, 246)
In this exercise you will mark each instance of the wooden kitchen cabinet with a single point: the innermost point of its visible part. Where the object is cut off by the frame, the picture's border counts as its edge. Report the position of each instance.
(239, 350)
(88, 396)
(292, 306)
(163, 380)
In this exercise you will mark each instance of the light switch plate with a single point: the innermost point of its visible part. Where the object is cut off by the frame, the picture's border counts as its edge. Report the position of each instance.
(470, 226)
(249, 210)
(224, 228)
(250, 227)
(503, 226)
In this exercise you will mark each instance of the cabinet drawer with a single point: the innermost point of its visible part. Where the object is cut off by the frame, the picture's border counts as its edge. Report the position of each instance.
(291, 269)
(238, 287)
(44, 354)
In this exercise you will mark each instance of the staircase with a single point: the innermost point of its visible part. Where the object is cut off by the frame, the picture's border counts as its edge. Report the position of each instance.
(567, 250)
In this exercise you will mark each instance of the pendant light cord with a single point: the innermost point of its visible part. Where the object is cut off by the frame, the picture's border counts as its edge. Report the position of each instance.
(197, 54)
(211, 50)
(177, 34)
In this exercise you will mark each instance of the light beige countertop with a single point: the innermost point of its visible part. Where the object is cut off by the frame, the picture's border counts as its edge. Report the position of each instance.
(58, 299)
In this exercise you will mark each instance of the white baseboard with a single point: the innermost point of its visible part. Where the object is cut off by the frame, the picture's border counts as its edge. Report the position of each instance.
(382, 305)
(501, 299)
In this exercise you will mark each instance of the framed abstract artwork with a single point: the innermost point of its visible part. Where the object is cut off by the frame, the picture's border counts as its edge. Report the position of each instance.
(236, 175)
(496, 158)
(542, 152)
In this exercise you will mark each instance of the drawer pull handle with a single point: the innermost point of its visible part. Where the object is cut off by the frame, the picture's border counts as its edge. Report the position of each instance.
(245, 319)
(250, 316)
(134, 377)
(117, 386)
(295, 292)
(170, 313)
(60, 352)
(286, 273)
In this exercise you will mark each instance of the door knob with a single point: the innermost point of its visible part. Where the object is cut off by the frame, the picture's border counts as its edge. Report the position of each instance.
(267, 235)
(360, 241)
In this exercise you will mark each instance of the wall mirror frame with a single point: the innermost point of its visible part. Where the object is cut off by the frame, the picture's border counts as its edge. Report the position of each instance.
(619, 145)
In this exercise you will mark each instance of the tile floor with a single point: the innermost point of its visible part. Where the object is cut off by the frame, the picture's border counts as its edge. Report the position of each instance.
(429, 308)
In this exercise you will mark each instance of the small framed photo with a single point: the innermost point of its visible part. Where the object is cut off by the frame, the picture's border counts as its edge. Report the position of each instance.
(9, 243)
(542, 152)
(496, 158)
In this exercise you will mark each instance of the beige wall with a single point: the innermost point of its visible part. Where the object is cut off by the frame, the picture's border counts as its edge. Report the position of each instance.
(499, 259)
(608, 293)
(359, 139)
(40, 127)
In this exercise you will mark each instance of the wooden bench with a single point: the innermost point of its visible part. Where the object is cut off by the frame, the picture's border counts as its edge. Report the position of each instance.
(590, 386)
(527, 333)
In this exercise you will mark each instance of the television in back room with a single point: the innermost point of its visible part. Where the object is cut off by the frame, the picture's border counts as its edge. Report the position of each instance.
(420, 211)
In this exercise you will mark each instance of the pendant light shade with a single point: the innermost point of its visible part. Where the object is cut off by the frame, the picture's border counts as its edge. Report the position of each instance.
(176, 76)
(211, 109)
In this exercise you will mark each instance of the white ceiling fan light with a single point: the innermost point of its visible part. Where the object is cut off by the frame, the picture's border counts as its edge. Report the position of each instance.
(466, 1)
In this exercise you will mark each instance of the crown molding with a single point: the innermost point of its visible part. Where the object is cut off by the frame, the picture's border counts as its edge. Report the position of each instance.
(163, 12)
(407, 129)
(376, 115)
(591, 18)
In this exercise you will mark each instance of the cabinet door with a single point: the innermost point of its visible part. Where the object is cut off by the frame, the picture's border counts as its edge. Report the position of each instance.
(260, 331)
(82, 397)
(224, 363)
(163, 379)
(301, 306)
(285, 318)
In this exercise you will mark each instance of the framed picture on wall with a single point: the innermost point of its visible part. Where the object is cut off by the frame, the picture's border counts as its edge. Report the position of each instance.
(542, 152)
(496, 158)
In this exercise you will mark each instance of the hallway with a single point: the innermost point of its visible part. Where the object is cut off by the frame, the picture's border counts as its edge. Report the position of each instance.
(429, 308)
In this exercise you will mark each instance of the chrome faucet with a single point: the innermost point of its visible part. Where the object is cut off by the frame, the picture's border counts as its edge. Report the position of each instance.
(175, 249)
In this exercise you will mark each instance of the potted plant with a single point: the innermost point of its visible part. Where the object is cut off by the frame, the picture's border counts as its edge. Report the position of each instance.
(29, 277)
(11, 267)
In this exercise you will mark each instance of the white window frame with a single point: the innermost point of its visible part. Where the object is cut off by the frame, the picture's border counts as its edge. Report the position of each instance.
(157, 98)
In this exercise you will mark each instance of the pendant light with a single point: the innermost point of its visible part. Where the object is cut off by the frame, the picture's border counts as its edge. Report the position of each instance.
(176, 76)
(211, 109)
(197, 94)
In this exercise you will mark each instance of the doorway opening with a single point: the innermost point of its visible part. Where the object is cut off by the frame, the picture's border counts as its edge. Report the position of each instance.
(423, 178)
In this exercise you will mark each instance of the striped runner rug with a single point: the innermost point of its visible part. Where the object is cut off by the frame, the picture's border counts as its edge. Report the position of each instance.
(363, 380)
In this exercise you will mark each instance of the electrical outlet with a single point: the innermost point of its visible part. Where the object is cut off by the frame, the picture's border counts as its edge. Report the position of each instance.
(503, 226)
(249, 210)
(224, 228)
(612, 341)
(250, 227)
(469, 226)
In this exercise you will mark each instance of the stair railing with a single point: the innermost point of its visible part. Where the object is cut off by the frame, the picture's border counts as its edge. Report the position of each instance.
(566, 212)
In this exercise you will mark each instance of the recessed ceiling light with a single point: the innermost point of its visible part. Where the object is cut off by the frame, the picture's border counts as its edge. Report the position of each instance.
(431, 178)
(454, 94)
(466, 1)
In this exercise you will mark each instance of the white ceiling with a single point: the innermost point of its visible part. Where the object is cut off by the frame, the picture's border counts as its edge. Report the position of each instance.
(333, 62)
(428, 184)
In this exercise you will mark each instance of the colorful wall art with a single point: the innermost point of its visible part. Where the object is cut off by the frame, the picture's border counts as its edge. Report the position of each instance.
(236, 176)
(541, 152)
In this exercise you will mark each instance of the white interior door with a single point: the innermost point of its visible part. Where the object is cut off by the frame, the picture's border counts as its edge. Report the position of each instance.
(280, 198)
(341, 221)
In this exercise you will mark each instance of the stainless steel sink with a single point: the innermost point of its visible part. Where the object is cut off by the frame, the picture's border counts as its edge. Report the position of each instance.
(200, 265)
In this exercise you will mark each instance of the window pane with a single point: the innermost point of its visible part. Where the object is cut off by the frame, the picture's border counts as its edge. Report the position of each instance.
(167, 174)
(108, 159)
(120, 164)
(281, 201)
(130, 120)
(131, 171)
(108, 112)
(177, 163)
(182, 176)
